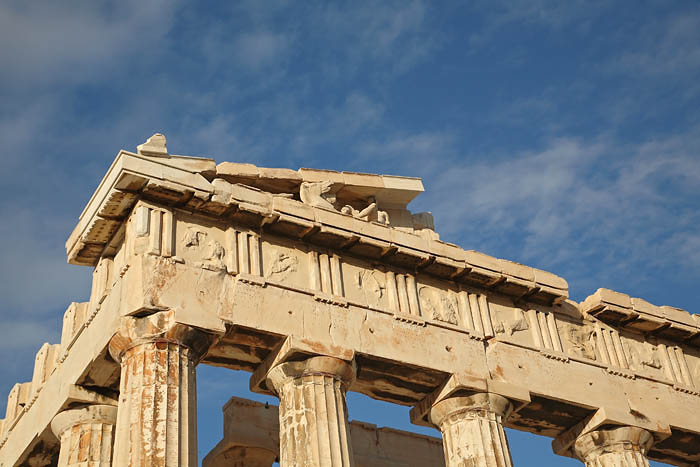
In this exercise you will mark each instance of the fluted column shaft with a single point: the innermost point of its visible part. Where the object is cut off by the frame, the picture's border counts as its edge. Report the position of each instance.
(314, 429)
(472, 430)
(615, 447)
(86, 435)
(157, 420)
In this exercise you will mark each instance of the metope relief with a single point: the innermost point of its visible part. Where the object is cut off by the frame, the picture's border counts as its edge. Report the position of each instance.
(281, 265)
(210, 252)
(214, 256)
(578, 340)
(644, 356)
(284, 262)
(194, 237)
(372, 286)
(364, 285)
(439, 306)
(468, 310)
(509, 325)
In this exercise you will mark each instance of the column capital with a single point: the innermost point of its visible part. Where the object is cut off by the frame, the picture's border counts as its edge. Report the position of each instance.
(302, 352)
(479, 404)
(340, 370)
(466, 385)
(88, 414)
(472, 429)
(612, 440)
(158, 327)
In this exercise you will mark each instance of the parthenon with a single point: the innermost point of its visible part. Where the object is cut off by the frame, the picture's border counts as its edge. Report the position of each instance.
(320, 282)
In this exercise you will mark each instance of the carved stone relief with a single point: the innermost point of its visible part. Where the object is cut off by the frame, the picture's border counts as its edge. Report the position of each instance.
(193, 237)
(212, 253)
(581, 340)
(370, 213)
(281, 264)
(430, 310)
(214, 256)
(450, 308)
(644, 355)
(515, 323)
(317, 194)
(372, 288)
(438, 306)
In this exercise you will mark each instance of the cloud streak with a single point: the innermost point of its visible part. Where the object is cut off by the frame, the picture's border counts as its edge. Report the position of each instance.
(590, 210)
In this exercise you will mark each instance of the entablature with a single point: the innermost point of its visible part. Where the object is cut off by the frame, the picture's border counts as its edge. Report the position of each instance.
(191, 184)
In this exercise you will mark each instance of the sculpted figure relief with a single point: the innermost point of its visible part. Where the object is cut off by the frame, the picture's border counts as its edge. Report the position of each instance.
(438, 306)
(517, 322)
(318, 194)
(450, 308)
(193, 237)
(644, 356)
(214, 256)
(282, 264)
(373, 289)
(213, 253)
(581, 340)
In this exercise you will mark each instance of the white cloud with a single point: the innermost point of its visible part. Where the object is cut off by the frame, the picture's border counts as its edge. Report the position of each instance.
(46, 42)
(669, 46)
(392, 36)
(378, 27)
(256, 50)
(425, 151)
(35, 276)
(551, 13)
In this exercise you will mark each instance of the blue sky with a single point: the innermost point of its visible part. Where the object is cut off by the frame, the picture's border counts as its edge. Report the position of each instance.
(564, 135)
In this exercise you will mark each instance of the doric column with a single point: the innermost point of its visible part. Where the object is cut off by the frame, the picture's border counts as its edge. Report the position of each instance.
(313, 416)
(86, 435)
(625, 446)
(242, 456)
(157, 421)
(472, 430)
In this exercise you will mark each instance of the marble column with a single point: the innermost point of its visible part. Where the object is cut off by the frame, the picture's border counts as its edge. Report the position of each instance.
(313, 416)
(157, 420)
(624, 446)
(86, 435)
(472, 430)
(242, 456)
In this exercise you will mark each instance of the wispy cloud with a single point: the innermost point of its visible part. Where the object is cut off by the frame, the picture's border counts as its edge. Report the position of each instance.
(589, 210)
(423, 152)
(550, 14)
(669, 46)
(44, 42)
(258, 49)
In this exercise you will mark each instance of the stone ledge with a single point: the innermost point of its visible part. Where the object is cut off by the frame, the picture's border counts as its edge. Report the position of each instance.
(170, 180)
(637, 315)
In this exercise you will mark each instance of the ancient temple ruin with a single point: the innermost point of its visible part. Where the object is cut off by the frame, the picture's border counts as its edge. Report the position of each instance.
(318, 283)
